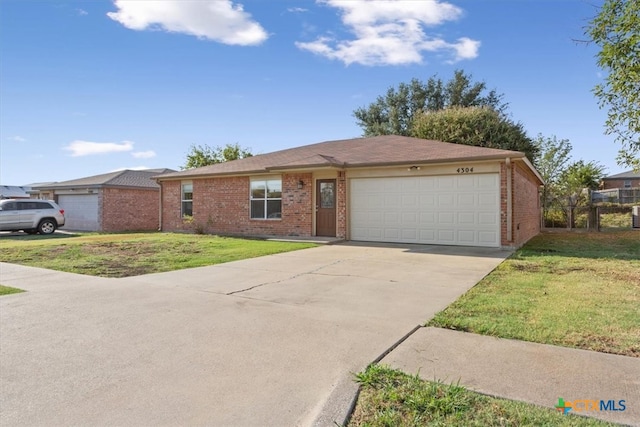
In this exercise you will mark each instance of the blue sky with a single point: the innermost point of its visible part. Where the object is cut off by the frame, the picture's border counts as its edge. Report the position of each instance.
(88, 87)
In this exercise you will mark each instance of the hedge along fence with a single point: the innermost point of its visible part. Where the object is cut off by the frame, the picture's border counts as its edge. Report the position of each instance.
(589, 217)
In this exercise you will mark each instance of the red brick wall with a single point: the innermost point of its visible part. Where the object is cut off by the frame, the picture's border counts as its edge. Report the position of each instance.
(525, 202)
(526, 207)
(341, 226)
(221, 205)
(619, 183)
(127, 209)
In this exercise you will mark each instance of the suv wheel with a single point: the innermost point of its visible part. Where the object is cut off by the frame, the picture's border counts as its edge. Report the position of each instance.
(47, 226)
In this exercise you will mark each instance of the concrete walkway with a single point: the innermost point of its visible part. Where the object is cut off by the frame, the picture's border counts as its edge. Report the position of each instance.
(517, 370)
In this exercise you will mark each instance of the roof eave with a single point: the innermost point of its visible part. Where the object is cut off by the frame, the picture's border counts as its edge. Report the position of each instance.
(434, 161)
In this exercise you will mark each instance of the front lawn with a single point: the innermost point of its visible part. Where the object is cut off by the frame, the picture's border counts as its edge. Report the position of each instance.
(391, 398)
(123, 255)
(577, 290)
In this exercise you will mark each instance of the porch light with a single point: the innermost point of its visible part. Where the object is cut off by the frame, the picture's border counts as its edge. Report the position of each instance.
(300, 184)
(414, 168)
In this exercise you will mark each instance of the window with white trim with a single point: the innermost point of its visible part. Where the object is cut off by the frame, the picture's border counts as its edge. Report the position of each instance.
(627, 183)
(186, 205)
(266, 198)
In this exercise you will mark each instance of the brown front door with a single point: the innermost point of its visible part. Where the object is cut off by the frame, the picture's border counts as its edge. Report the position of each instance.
(326, 207)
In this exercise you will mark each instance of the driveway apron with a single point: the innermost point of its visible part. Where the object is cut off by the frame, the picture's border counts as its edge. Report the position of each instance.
(265, 341)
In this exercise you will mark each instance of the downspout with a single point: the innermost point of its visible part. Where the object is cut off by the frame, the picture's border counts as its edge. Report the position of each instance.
(509, 201)
(160, 213)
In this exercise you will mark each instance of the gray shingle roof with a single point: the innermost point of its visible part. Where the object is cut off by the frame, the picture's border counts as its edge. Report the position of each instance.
(123, 178)
(623, 175)
(350, 153)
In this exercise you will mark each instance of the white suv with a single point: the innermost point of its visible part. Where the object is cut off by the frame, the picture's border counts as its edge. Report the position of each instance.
(32, 216)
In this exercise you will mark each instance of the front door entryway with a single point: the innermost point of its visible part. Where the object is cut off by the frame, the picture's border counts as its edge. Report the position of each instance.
(326, 207)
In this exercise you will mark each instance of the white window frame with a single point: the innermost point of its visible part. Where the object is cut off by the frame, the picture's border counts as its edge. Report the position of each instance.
(186, 185)
(266, 198)
(627, 183)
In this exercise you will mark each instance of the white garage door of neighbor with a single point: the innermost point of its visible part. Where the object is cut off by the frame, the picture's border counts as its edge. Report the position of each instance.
(80, 211)
(447, 210)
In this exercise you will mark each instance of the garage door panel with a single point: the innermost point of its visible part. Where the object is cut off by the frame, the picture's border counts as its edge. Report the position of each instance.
(486, 218)
(466, 218)
(452, 210)
(80, 211)
(446, 218)
(467, 200)
(467, 236)
(445, 183)
(446, 236)
(427, 201)
(410, 234)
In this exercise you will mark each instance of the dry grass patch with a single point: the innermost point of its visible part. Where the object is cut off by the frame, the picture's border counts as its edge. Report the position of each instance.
(123, 255)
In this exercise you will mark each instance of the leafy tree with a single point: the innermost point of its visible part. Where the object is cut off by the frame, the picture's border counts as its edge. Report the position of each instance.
(394, 112)
(551, 161)
(203, 155)
(479, 126)
(616, 30)
(577, 177)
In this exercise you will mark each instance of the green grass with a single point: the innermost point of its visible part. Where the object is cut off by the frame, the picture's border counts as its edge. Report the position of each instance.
(6, 290)
(391, 398)
(577, 290)
(123, 255)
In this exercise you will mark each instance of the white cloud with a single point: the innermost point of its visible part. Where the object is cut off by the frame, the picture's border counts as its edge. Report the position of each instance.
(18, 138)
(217, 20)
(144, 154)
(88, 148)
(82, 12)
(297, 10)
(391, 32)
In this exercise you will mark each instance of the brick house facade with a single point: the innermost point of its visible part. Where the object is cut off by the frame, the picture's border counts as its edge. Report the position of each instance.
(127, 200)
(623, 180)
(221, 198)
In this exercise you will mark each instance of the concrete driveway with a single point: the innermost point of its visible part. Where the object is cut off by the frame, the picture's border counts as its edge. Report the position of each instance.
(265, 341)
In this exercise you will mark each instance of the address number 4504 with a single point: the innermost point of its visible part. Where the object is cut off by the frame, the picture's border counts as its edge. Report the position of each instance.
(464, 170)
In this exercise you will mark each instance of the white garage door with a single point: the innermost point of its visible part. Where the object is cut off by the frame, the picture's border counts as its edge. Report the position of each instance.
(446, 210)
(80, 211)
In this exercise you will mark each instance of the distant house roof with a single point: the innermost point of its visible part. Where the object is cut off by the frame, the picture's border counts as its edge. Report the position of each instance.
(14, 192)
(123, 178)
(623, 175)
(385, 150)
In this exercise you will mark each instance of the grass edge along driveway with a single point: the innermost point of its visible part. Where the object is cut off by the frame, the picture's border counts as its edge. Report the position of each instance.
(389, 397)
(124, 255)
(579, 290)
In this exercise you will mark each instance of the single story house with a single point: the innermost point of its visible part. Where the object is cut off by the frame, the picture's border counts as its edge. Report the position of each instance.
(125, 200)
(14, 192)
(629, 179)
(379, 189)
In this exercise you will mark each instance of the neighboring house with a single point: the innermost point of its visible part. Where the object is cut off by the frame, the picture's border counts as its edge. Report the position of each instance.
(125, 200)
(379, 189)
(14, 192)
(623, 188)
(629, 179)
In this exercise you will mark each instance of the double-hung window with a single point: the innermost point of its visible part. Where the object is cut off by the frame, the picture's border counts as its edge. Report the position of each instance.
(627, 183)
(186, 206)
(266, 198)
